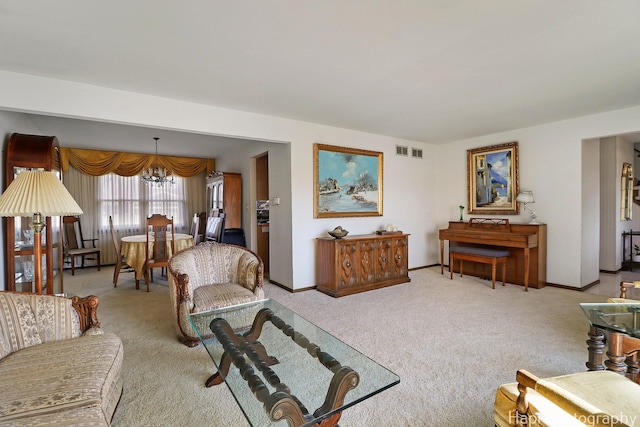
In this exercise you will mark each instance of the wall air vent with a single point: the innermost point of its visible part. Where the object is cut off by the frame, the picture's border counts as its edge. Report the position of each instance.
(402, 151)
(416, 152)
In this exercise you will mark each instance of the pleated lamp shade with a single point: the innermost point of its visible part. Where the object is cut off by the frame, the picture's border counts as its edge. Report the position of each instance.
(525, 196)
(37, 192)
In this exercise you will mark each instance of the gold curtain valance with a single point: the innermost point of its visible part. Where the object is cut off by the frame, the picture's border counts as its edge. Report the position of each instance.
(99, 162)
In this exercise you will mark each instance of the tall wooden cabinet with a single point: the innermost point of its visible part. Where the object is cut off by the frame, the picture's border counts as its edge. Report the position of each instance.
(224, 191)
(32, 152)
(361, 263)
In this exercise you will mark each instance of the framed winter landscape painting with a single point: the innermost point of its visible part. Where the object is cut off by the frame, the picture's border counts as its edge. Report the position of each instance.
(347, 182)
(492, 181)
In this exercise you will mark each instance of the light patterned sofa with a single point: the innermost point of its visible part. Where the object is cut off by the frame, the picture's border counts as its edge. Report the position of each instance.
(57, 367)
(208, 276)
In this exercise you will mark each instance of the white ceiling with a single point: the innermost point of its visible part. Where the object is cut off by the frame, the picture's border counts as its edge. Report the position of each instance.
(425, 70)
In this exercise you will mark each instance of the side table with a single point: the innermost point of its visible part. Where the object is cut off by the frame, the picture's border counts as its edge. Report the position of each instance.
(616, 327)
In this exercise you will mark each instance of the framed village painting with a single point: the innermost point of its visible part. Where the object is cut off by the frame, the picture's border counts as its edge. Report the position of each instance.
(347, 182)
(492, 181)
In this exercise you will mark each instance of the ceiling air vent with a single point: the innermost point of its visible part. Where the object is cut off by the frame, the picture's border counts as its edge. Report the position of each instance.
(402, 151)
(416, 152)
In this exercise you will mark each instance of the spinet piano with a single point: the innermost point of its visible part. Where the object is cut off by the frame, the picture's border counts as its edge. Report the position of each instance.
(527, 265)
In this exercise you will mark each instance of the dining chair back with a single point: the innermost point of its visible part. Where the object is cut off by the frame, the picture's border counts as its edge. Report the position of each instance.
(121, 263)
(159, 245)
(74, 243)
(215, 228)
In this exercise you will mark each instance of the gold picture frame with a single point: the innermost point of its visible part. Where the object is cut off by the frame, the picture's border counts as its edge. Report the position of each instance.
(492, 179)
(347, 182)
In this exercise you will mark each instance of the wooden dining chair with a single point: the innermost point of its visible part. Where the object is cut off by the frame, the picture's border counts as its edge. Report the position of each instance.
(121, 263)
(157, 249)
(74, 243)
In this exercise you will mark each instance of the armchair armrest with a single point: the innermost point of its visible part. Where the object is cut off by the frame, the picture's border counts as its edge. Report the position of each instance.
(596, 396)
(87, 309)
(624, 286)
(182, 284)
(526, 380)
(93, 241)
(553, 404)
(250, 271)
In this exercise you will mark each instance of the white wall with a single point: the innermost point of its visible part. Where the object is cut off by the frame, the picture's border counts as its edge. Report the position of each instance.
(420, 196)
(590, 208)
(624, 154)
(550, 166)
(408, 203)
(614, 152)
(281, 266)
(609, 198)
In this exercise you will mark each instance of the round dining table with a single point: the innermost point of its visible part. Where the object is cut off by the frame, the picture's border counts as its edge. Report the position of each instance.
(132, 248)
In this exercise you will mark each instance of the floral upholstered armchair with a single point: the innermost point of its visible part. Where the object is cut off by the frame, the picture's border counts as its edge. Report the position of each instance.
(212, 275)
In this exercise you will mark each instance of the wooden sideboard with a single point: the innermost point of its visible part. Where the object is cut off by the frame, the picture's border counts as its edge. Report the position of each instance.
(361, 263)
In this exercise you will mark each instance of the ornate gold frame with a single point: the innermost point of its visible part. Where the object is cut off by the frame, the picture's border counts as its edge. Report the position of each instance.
(626, 192)
(493, 191)
(332, 197)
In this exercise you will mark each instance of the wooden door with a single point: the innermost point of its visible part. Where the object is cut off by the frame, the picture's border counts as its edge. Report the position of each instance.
(347, 263)
(384, 256)
(399, 251)
(366, 261)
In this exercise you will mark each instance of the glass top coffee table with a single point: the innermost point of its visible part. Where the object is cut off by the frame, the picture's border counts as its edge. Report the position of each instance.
(616, 317)
(280, 366)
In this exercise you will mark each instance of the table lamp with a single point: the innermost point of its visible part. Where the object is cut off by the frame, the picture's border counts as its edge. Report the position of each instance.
(526, 197)
(39, 194)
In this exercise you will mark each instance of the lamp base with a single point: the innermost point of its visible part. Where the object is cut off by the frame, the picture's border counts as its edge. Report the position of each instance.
(533, 214)
(38, 226)
(533, 219)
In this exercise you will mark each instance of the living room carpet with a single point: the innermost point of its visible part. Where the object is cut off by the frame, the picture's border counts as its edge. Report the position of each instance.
(451, 342)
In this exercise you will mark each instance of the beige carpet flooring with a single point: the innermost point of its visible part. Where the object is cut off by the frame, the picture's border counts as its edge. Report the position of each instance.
(451, 342)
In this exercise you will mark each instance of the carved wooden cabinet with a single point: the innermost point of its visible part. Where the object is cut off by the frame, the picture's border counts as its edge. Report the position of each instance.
(26, 152)
(224, 191)
(361, 263)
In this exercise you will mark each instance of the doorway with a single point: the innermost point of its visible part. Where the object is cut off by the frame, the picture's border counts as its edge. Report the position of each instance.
(262, 209)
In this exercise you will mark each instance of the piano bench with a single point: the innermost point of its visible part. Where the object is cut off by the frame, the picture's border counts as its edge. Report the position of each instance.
(482, 255)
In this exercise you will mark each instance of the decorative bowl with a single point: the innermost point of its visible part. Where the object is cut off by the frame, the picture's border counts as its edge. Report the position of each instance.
(338, 232)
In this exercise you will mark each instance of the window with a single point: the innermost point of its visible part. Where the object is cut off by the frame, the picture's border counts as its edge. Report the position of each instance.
(130, 201)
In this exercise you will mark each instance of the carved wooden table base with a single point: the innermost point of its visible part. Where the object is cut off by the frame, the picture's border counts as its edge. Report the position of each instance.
(622, 353)
(280, 404)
